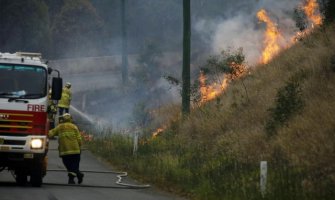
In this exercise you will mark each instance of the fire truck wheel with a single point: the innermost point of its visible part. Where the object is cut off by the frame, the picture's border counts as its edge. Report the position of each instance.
(36, 177)
(21, 178)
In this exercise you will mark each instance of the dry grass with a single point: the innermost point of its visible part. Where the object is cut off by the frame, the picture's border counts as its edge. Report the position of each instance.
(215, 153)
(236, 124)
(236, 113)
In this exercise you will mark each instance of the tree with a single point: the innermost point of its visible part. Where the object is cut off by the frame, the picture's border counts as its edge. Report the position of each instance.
(77, 29)
(186, 58)
(229, 62)
(110, 13)
(289, 102)
(24, 26)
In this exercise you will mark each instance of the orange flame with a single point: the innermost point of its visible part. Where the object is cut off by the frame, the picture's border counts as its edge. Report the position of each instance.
(272, 37)
(86, 137)
(271, 49)
(157, 132)
(211, 91)
(311, 10)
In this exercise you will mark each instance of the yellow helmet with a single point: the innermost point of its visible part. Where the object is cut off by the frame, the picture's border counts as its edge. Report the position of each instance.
(67, 117)
(68, 85)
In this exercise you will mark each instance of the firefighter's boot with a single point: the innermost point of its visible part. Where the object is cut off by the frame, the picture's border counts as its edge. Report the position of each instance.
(80, 177)
(71, 178)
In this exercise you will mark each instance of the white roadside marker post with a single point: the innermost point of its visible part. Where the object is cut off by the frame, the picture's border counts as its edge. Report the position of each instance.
(135, 143)
(263, 176)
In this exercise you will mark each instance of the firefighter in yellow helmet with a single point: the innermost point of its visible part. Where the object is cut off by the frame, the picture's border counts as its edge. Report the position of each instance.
(69, 144)
(65, 101)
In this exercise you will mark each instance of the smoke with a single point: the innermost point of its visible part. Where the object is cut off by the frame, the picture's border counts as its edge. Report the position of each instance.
(242, 28)
(97, 83)
(100, 97)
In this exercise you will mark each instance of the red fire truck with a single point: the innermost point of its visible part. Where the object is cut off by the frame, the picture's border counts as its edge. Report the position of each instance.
(24, 84)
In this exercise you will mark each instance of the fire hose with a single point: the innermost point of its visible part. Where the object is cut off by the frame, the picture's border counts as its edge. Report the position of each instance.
(118, 182)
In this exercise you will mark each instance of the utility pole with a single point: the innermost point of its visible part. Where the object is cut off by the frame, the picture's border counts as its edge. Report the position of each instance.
(124, 43)
(186, 88)
(330, 11)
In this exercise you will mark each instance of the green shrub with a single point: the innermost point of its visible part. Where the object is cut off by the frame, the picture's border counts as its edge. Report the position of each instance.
(288, 103)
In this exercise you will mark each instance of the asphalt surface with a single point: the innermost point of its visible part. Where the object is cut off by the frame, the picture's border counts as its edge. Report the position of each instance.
(96, 186)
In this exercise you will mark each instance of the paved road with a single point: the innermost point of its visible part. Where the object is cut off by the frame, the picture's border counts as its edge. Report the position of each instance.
(54, 187)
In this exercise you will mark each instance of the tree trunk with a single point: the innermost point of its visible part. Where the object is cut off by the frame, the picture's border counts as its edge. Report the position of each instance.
(330, 11)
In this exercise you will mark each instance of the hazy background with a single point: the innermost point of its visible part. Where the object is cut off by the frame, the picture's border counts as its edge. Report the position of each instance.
(82, 38)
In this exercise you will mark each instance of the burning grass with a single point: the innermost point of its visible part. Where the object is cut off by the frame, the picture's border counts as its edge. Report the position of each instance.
(215, 153)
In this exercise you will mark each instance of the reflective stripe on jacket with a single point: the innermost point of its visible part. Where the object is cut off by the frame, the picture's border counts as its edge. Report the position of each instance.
(69, 138)
(65, 100)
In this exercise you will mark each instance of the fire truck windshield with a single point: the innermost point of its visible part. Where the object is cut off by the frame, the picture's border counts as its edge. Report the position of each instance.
(22, 81)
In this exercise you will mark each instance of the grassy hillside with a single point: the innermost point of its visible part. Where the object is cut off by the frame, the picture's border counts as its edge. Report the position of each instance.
(286, 118)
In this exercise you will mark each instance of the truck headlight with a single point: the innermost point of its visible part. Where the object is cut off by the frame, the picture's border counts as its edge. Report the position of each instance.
(36, 143)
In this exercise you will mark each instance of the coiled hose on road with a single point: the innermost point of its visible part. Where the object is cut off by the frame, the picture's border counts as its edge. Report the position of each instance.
(118, 182)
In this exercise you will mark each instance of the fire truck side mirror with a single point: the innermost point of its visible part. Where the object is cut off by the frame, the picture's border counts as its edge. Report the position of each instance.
(50, 70)
(57, 85)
